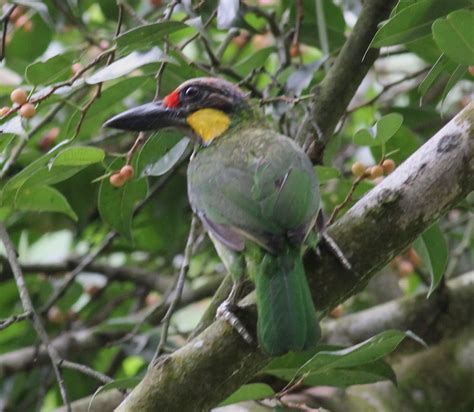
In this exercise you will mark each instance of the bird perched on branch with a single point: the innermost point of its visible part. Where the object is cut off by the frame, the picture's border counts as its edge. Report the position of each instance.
(256, 194)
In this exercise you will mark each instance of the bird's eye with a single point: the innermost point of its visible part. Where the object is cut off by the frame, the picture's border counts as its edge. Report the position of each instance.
(191, 92)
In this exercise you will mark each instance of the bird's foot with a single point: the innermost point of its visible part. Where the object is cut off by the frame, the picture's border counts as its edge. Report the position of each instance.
(226, 311)
(336, 251)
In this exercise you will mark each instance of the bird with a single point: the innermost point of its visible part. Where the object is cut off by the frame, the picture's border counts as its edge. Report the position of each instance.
(257, 196)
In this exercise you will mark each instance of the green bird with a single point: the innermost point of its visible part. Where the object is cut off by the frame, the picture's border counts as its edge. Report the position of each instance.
(257, 196)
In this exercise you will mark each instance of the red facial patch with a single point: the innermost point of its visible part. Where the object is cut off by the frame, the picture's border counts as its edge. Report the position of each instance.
(172, 100)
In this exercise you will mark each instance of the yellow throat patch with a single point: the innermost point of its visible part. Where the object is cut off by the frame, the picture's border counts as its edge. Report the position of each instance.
(208, 123)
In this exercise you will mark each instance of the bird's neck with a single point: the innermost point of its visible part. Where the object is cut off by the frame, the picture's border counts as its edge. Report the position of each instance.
(213, 125)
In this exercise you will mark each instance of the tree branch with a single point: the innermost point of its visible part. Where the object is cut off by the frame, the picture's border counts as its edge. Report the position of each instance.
(433, 180)
(334, 93)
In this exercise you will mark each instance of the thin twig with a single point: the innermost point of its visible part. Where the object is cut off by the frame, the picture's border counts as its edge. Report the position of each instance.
(322, 31)
(388, 87)
(5, 19)
(28, 307)
(347, 199)
(5, 323)
(86, 370)
(179, 289)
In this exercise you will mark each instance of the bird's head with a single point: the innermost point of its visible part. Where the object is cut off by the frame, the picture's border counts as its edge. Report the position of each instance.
(204, 107)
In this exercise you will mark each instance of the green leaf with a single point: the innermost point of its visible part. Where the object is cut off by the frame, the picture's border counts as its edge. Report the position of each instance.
(383, 130)
(250, 392)
(388, 125)
(78, 156)
(365, 137)
(147, 36)
(127, 64)
(433, 250)
(456, 75)
(414, 21)
(257, 59)
(365, 352)
(160, 153)
(54, 69)
(43, 199)
(116, 204)
(454, 36)
(344, 377)
(326, 173)
(438, 68)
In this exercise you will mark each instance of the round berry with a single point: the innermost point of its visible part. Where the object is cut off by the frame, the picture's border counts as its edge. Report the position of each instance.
(152, 299)
(27, 111)
(19, 96)
(376, 171)
(295, 50)
(337, 312)
(4, 110)
(117, 180)
(127, 172)
(156, 3)
(405, 268)
(388, 166)
(471, 70)
(414, 258)
(55, 315)
(358, 169)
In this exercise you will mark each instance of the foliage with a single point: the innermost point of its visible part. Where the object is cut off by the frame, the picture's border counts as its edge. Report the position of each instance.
(83, 61)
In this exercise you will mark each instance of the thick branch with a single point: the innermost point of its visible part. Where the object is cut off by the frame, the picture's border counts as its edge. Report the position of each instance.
(444, 315)
(392, 215)
(334, 93)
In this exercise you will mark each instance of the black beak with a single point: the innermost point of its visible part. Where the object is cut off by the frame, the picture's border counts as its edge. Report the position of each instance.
(147, 117)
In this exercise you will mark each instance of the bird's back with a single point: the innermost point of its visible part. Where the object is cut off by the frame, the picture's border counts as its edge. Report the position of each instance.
(256, 184)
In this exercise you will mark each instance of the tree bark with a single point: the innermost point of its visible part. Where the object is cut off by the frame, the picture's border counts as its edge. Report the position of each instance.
(392, 215)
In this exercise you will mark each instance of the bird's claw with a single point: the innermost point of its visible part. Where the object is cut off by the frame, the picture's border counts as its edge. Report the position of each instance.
(225, 312)
(336, 251)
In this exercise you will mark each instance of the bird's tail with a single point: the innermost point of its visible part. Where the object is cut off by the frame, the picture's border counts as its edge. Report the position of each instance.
(286, 315)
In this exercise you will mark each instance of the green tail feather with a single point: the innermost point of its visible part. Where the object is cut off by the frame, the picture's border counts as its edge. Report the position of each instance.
(286, 316)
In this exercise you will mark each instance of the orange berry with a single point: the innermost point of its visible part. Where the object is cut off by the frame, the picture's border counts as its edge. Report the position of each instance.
(388, 166)
(405, 268)
(27, 111)
(295, 50)
(48, 139)
(240, 40)
(414, 258)
(152, 299)
(156, 3)
(471, 70)
(117, 180)
(21, 21)
(376, 171)
(19, 96)
(127, 172)
(28, 26)
(55, 315)
(337, 312)
(76, 67)
(4, 110)
(259, 41)
(16, 13)
(92, 289)
(358, 169)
